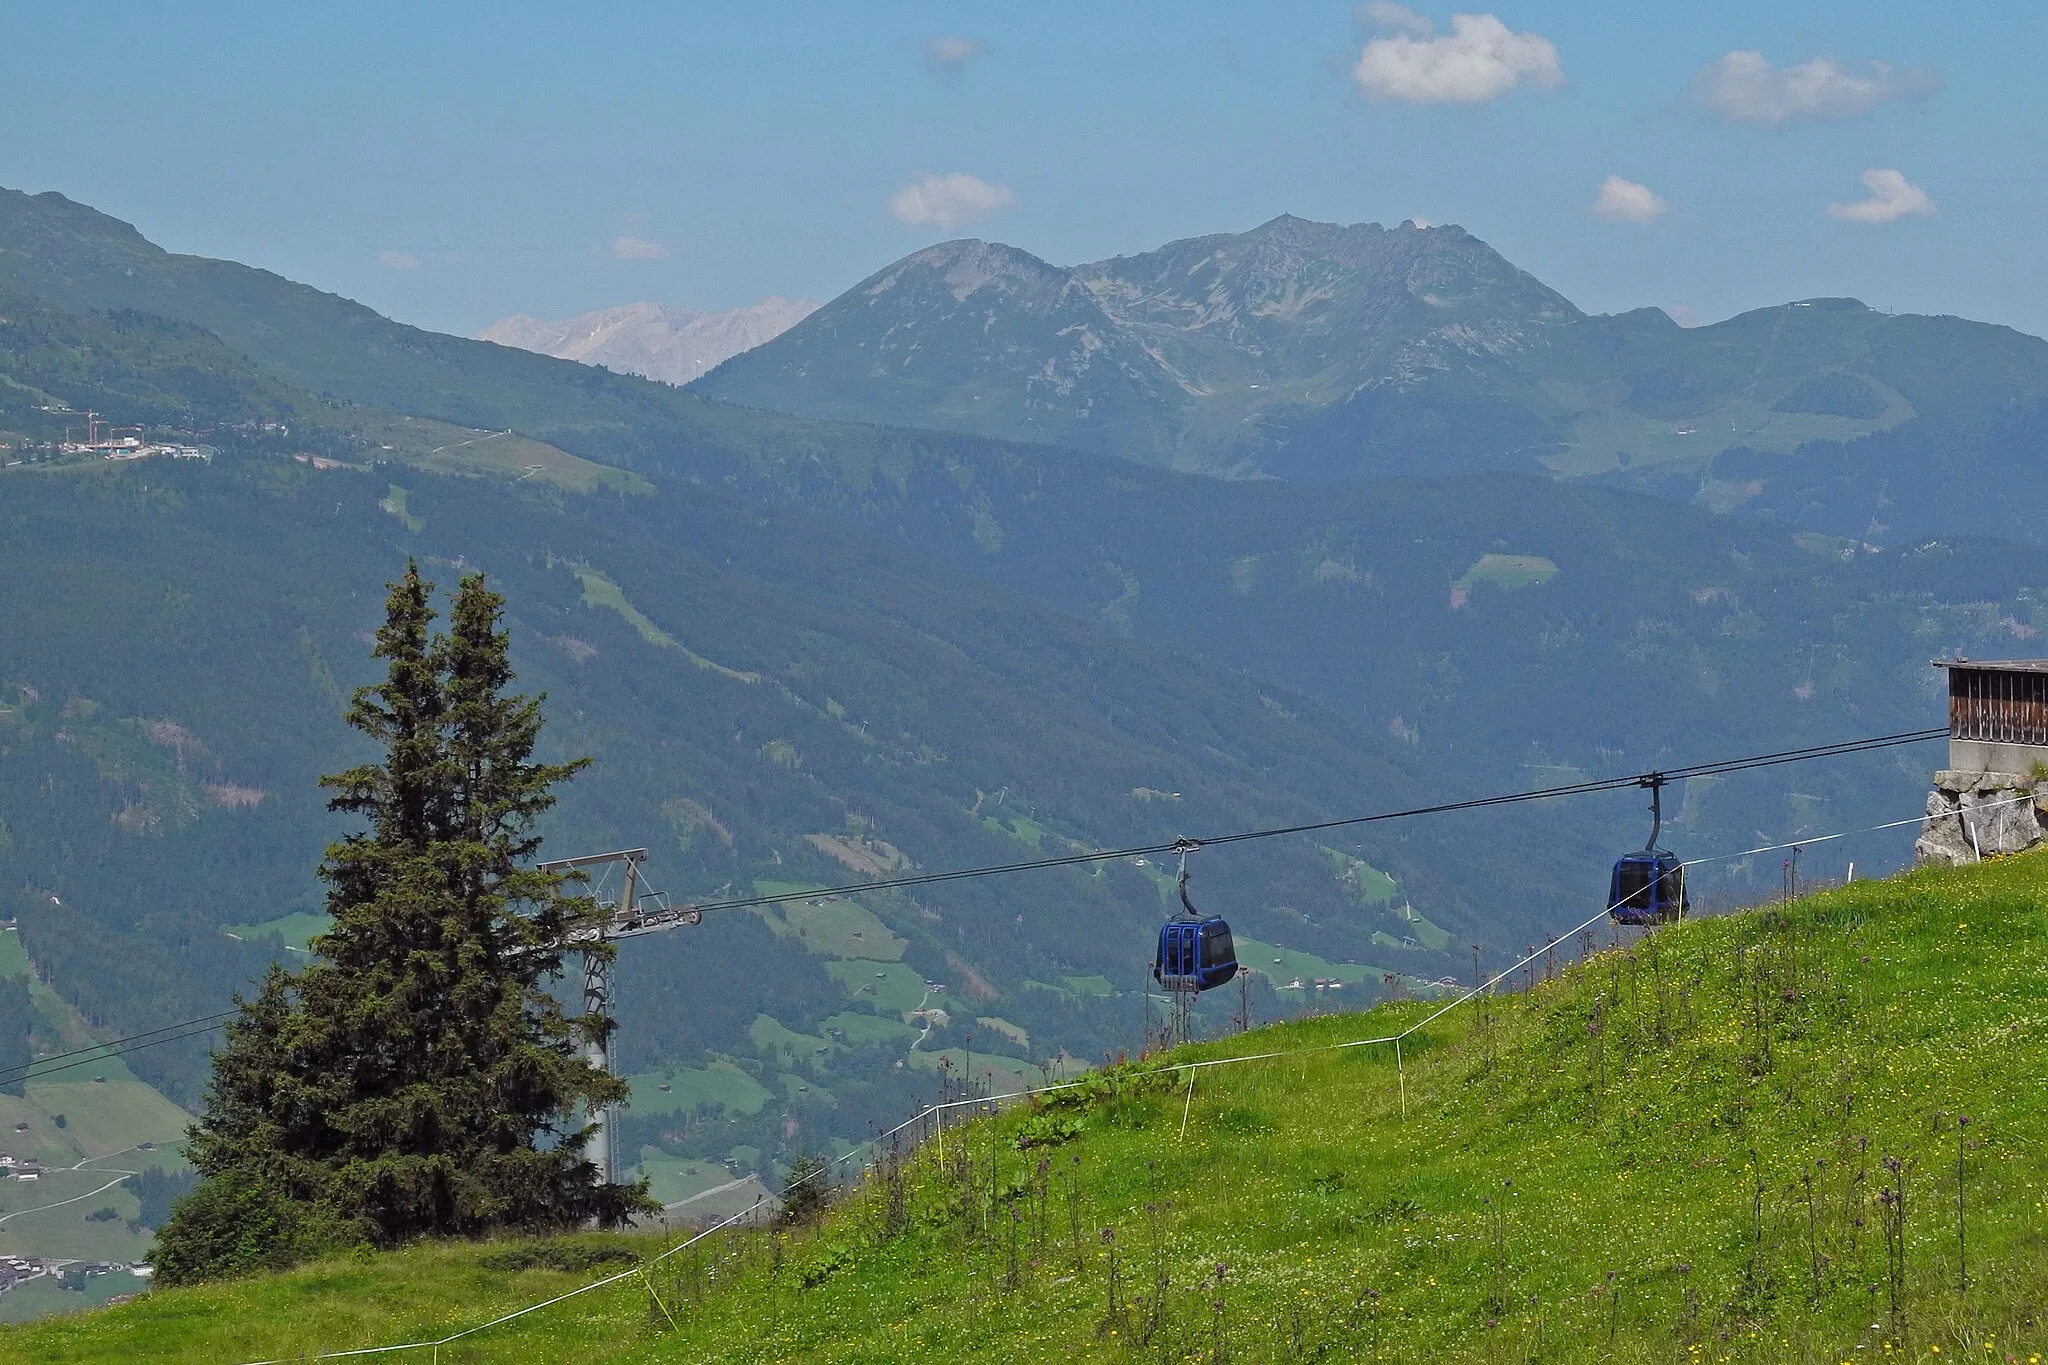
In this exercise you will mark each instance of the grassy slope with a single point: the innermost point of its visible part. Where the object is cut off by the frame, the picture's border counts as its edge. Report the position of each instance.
(1670, 1149)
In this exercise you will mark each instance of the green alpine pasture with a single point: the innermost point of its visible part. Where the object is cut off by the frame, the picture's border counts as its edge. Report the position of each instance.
(1804, 1133)
(1508, 571)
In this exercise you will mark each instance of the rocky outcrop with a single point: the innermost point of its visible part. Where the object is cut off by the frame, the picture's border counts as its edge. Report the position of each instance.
(1977, 815)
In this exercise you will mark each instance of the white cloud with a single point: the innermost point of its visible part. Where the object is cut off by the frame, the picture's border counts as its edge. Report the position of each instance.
(1743, 87)
(399, 260)
(948, 53)
(1479, 60)
(1624, 201)
(947, 202)
(1892, 197)
(626, 247)
(1392, 18)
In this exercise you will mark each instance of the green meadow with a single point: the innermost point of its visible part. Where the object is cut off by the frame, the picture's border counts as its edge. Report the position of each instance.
(1803, 1133)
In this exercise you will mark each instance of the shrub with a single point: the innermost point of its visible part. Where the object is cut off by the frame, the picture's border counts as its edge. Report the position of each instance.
(1048, 1130)
(232, 1225)
(565, 1254)
(806, 1193)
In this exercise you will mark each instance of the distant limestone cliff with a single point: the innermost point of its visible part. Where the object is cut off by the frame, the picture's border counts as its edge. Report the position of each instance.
(674, 345)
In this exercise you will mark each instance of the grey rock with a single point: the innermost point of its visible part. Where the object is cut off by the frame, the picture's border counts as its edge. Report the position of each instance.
(1972, 815)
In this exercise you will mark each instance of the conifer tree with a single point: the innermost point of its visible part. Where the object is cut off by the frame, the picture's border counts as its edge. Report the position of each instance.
(415, 1079)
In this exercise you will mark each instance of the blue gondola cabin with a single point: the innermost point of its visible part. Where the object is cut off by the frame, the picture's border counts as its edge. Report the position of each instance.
(1195, 954)
(1647, 888)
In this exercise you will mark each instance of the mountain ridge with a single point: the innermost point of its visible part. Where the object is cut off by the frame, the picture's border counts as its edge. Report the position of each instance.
(1321, 351)
(1904, 427)
(1164, 347)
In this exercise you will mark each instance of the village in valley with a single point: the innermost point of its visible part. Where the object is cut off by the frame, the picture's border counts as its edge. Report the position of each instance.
(39, 1272)
(106, 441)
(72, 1275)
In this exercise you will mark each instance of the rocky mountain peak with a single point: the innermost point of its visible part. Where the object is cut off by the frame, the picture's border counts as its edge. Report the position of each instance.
(1195, 351)
(968, 266)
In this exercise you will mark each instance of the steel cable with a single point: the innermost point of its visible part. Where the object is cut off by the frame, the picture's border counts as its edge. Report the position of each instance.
(1716, 769)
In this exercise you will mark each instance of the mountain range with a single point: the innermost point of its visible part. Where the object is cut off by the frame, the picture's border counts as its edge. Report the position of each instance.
(804, 648)
(1187, 355)
(1322, 352)
(674, 345)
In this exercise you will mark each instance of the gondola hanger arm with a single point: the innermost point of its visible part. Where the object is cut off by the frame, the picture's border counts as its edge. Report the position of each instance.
(1184, 847)
(1655, 782)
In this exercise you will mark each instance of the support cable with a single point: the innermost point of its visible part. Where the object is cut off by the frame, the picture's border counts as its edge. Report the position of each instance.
(1178, 845)
(1828, 838)
(1717, 769)
(86, 1056)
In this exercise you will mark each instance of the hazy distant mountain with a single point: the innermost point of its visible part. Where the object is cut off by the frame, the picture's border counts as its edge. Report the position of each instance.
(674, 345)
(1313, 350)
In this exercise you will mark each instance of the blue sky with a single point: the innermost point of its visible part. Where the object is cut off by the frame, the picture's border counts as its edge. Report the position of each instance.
(452, 163)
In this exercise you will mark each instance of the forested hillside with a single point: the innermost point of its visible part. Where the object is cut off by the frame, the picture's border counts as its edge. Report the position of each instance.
(71, 258)
(173, 708)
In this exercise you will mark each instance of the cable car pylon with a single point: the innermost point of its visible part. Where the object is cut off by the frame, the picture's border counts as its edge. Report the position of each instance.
(629, 918)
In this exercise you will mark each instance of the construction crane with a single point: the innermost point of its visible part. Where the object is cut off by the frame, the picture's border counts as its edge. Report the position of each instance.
(92, 429)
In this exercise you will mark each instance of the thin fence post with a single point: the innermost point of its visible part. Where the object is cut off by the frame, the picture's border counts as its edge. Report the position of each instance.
(645, 1279)
(1402, 1067)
